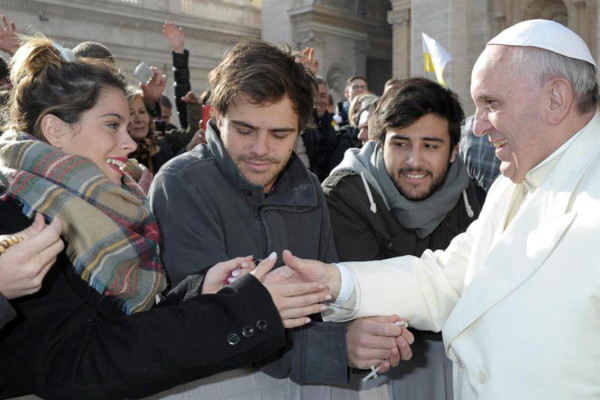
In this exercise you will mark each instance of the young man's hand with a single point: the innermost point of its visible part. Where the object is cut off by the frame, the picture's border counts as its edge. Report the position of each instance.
(375, 341)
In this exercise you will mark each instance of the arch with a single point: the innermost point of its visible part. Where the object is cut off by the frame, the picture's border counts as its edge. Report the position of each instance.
(554, 10)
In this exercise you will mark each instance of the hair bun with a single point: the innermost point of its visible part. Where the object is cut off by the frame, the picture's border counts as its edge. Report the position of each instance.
(35, 55)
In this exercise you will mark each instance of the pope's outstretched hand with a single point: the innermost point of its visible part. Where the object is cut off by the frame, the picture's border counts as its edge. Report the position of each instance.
(304, 270)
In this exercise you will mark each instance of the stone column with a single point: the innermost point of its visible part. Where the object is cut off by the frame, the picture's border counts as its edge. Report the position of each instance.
(399, 18)
(581, 19)
(360, 56)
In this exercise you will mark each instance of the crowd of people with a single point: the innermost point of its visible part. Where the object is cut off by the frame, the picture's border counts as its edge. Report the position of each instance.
(279, 246)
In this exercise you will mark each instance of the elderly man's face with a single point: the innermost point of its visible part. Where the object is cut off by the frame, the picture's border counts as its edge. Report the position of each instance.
(510, 112)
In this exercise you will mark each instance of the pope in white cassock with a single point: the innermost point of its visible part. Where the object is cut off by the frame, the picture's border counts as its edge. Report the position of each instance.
(517, 296)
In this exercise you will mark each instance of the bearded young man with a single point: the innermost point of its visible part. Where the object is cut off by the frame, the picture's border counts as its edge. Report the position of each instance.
(404, 193)
(246, 192)
(516, 295)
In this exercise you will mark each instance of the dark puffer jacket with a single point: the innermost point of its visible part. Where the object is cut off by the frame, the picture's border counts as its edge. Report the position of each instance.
(361, 235)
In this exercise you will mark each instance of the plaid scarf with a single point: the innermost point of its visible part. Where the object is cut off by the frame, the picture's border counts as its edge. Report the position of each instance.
(111, 233)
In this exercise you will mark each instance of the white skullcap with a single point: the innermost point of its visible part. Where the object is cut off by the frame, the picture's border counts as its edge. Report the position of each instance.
(548, 35)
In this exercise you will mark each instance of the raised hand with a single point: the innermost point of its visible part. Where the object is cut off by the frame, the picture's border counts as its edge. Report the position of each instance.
(190, 97)
(376, 341)
(155, 88)
(175, 35)
(308, 59)
(294, 301)
(9, 41)
(24, 265)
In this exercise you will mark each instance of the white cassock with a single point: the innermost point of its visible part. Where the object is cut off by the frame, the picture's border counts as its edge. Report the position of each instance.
(518, 302)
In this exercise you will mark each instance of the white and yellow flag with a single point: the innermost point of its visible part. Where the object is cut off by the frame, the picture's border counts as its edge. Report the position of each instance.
(435, 57)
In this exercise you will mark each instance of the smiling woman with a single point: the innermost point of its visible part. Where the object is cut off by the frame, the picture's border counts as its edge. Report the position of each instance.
(95, 325)
(151, 151)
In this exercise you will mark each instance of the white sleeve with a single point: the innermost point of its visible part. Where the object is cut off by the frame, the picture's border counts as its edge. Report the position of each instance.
(424, 290)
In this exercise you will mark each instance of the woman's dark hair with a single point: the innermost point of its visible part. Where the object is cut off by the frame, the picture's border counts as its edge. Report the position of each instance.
(409, 100)
(44, 83)
(262, 73)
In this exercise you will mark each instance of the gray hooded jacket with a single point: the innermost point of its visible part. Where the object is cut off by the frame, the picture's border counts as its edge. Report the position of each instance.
(208, 213)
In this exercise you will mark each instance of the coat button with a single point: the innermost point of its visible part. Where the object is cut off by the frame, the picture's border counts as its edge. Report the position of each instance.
(261, 325)
(483, 376)
(248, 331)
(233, 339)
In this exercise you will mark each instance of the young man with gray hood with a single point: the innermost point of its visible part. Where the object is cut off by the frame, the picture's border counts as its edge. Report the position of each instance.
(399, 195)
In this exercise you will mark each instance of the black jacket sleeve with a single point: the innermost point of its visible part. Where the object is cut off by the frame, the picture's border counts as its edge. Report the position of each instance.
(181, 74)
(178, 139)
(354, 237)
(7, 313)
(68, 342)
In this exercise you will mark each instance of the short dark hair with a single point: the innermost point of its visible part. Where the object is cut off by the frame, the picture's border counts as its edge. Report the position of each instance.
(93, 50)
(409, 100)
(355, 77)
(262, 73)
(320, 80)
(165, 102)
(4, 71)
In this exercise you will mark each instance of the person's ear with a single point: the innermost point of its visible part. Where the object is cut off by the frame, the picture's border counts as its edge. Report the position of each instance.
(218, 119)
(54, 130)
(561, 96)
(453, 154)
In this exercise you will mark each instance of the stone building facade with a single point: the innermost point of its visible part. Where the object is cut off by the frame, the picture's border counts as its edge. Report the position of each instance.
(463, 27)
(350, 35)
(376, 38)
(132, 28)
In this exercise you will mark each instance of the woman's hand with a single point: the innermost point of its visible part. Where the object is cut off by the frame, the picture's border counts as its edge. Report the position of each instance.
(225, 273)
(294, 301)
(24, 265)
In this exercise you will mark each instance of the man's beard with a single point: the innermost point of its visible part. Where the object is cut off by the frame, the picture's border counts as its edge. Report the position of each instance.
(433, 186)
(256, 158)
